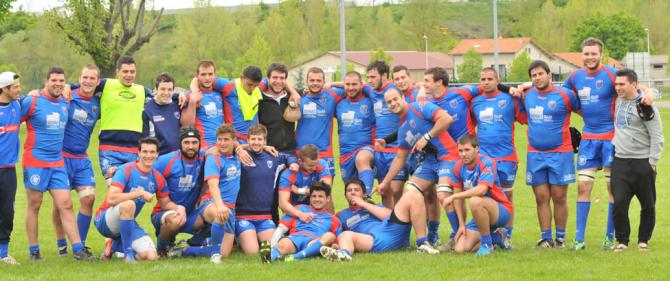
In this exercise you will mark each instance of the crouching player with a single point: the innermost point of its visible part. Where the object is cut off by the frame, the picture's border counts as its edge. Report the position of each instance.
(474, 176)
(305, 239)
(134, 184)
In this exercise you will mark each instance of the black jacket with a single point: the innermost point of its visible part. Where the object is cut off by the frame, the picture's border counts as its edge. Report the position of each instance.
(281, 134)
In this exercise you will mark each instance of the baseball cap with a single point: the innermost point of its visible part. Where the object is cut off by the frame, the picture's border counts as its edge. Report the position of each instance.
(8, 78)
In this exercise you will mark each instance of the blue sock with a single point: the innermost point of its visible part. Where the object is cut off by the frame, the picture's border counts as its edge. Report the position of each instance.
(368, 179)
(509, 231)
(433, 231)
(196, 251)
(560, 233)
(117, 246)
(311, 250)
(4, 250)
(83, 223)
(77, 247)
(496, 237)
(346, 252)
(609, 231)
(126, 228)
(274, 254)
(583, 209)
(453, 221)
(61, 243)
(162, 244)
(546, 234)
(486, 240)
(420, 241)
(217, 238)
(33, 248)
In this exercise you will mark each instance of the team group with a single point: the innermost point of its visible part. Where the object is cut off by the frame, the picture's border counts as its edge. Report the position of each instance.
(224, 157)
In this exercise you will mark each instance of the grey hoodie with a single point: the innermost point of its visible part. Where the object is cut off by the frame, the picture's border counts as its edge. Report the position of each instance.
(634, 137)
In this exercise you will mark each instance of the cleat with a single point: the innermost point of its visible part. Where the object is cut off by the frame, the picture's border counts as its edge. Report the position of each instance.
(9, 260)
(84, 255)
(265, 252)
(506, 243)
(342, 256)
(130, 259)
(328, 253)
(162, 252)
(215, 259)
(177, 250)
(36, 256)
(559, 243)
(608, 244)
(484, 250)
(544, 244)
(427, 248)
(107, 251)
(62, 251)
(447, 247)
(620, 248)
(576, 246)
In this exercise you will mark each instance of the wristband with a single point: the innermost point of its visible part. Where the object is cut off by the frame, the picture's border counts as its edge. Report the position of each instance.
(427, 137)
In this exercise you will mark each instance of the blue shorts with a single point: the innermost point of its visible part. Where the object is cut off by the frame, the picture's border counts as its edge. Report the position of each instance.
(595, 154)
(383, 162)
(300, 241)
(331, 165)
(107, 223)
(259, 225)
(348, 167)
(556, 168)
(506, 171)
(432, 169)
(230, 224)
(503, 219)
(188, 225)
(113, 158)
(389, 236)
(80, 171)
(43, 179)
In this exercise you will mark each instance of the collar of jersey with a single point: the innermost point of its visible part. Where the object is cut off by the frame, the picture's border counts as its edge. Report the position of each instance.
(600, 68)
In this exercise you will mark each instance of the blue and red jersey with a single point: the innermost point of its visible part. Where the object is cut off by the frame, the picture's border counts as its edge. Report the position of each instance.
(358, 220)
(302, 179)
(226, 169)
(597, 98)
(209, 116)
(83, 114)
(257, 187)
(316, 122)
(495, 115)
(456, 101)
(182, 176)
(412, 94)
(46, 118)
(482, 172)
(355, 125)
(321, 223)
(417, 120)
(129, 177)
(549, 119)
(232, 108)
(10, 119)
(386, 121)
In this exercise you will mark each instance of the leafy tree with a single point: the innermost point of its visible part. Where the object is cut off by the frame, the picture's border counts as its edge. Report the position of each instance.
(621, 33)
(379, 54)
(518, 71)
(468, 71)
(5, 5)
(8, 67)
(15, 22)
(105, 30)
(258, 54)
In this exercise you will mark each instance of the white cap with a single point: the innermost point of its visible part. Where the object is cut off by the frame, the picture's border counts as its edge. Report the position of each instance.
(8, 78)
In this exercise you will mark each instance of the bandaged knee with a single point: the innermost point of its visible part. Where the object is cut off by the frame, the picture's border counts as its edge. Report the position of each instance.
(445, 188)
(411, 185)
(86, 192)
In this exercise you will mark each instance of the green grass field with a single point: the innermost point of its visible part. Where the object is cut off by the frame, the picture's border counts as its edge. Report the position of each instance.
(522, 263)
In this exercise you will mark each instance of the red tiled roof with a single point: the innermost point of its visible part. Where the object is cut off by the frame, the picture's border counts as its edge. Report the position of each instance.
(485, 46)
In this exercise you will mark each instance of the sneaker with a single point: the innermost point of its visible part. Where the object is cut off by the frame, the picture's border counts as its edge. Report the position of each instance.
(544, 244)
(620, 248)
(215, 259)
(9, 260)
(427, 248)
(608, 244)
(506, 243)
(484, 250)
(130, 259)
(162, 252)
(62, 251)
(84, 255)
(448, 247)
(328, 253)
(559, 243)
(107, 251)
(265, 252)
(177, 250)
(642, 246)
(576, 245)
(36, 256)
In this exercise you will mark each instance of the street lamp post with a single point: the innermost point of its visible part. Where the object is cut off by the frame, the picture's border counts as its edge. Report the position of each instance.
(343, 44)
(425, 38)
(648, 64)
(495, 35)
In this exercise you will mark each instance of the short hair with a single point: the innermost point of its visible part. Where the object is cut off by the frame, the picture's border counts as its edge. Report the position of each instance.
(592, 41)
(315, 70)
(380, 66)
(468, 139)
(204, 63)
(319, 186)
(490, 69)
(439, 73)
(353, 181)
(149, 140)
(277, 67)
(354, 73)
(399, 68)
(226, 129)
(164, 78)
(393, 89)
(55, 70)
(91, 66)
(258, 129)
(309, 151)
(253, 72)
(628, 73)
(538, 63)
(124, 60)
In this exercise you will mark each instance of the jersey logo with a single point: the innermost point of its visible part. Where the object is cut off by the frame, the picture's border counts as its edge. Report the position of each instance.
(599, 84)
(244, 223)
(158, 118)
(581, 160)
(211, 110)
(552, 104)
(378, 107)
(53, 120)
(35, 179)
(127, 95)
(348, 118)
(364, 108)
(502, 103)
(269, 162)
(177, 115)
(529, 177)
(309, 109)
(323, 99)
(232, 172)
(94, 109)
(186, 183)
(412, 124)
(453, 103)
(486, 115)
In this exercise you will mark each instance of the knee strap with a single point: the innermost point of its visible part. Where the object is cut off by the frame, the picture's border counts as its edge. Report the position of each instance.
(445, 188)
(86, 192)
(586, 175)
(411, 185)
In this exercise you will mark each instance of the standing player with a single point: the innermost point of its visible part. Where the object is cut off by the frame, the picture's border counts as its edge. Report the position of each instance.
(43, 166)
(83, 114)
(474, 176)
(305, 238)
(161, 116)
(355, 125)
(10, 119)
(550, 166)
(209, 102)
(404, 82)
(134, 184)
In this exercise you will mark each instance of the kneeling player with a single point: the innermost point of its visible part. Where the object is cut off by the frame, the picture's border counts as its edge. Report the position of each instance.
(134, 184)
(474, 177)
(305, 238)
